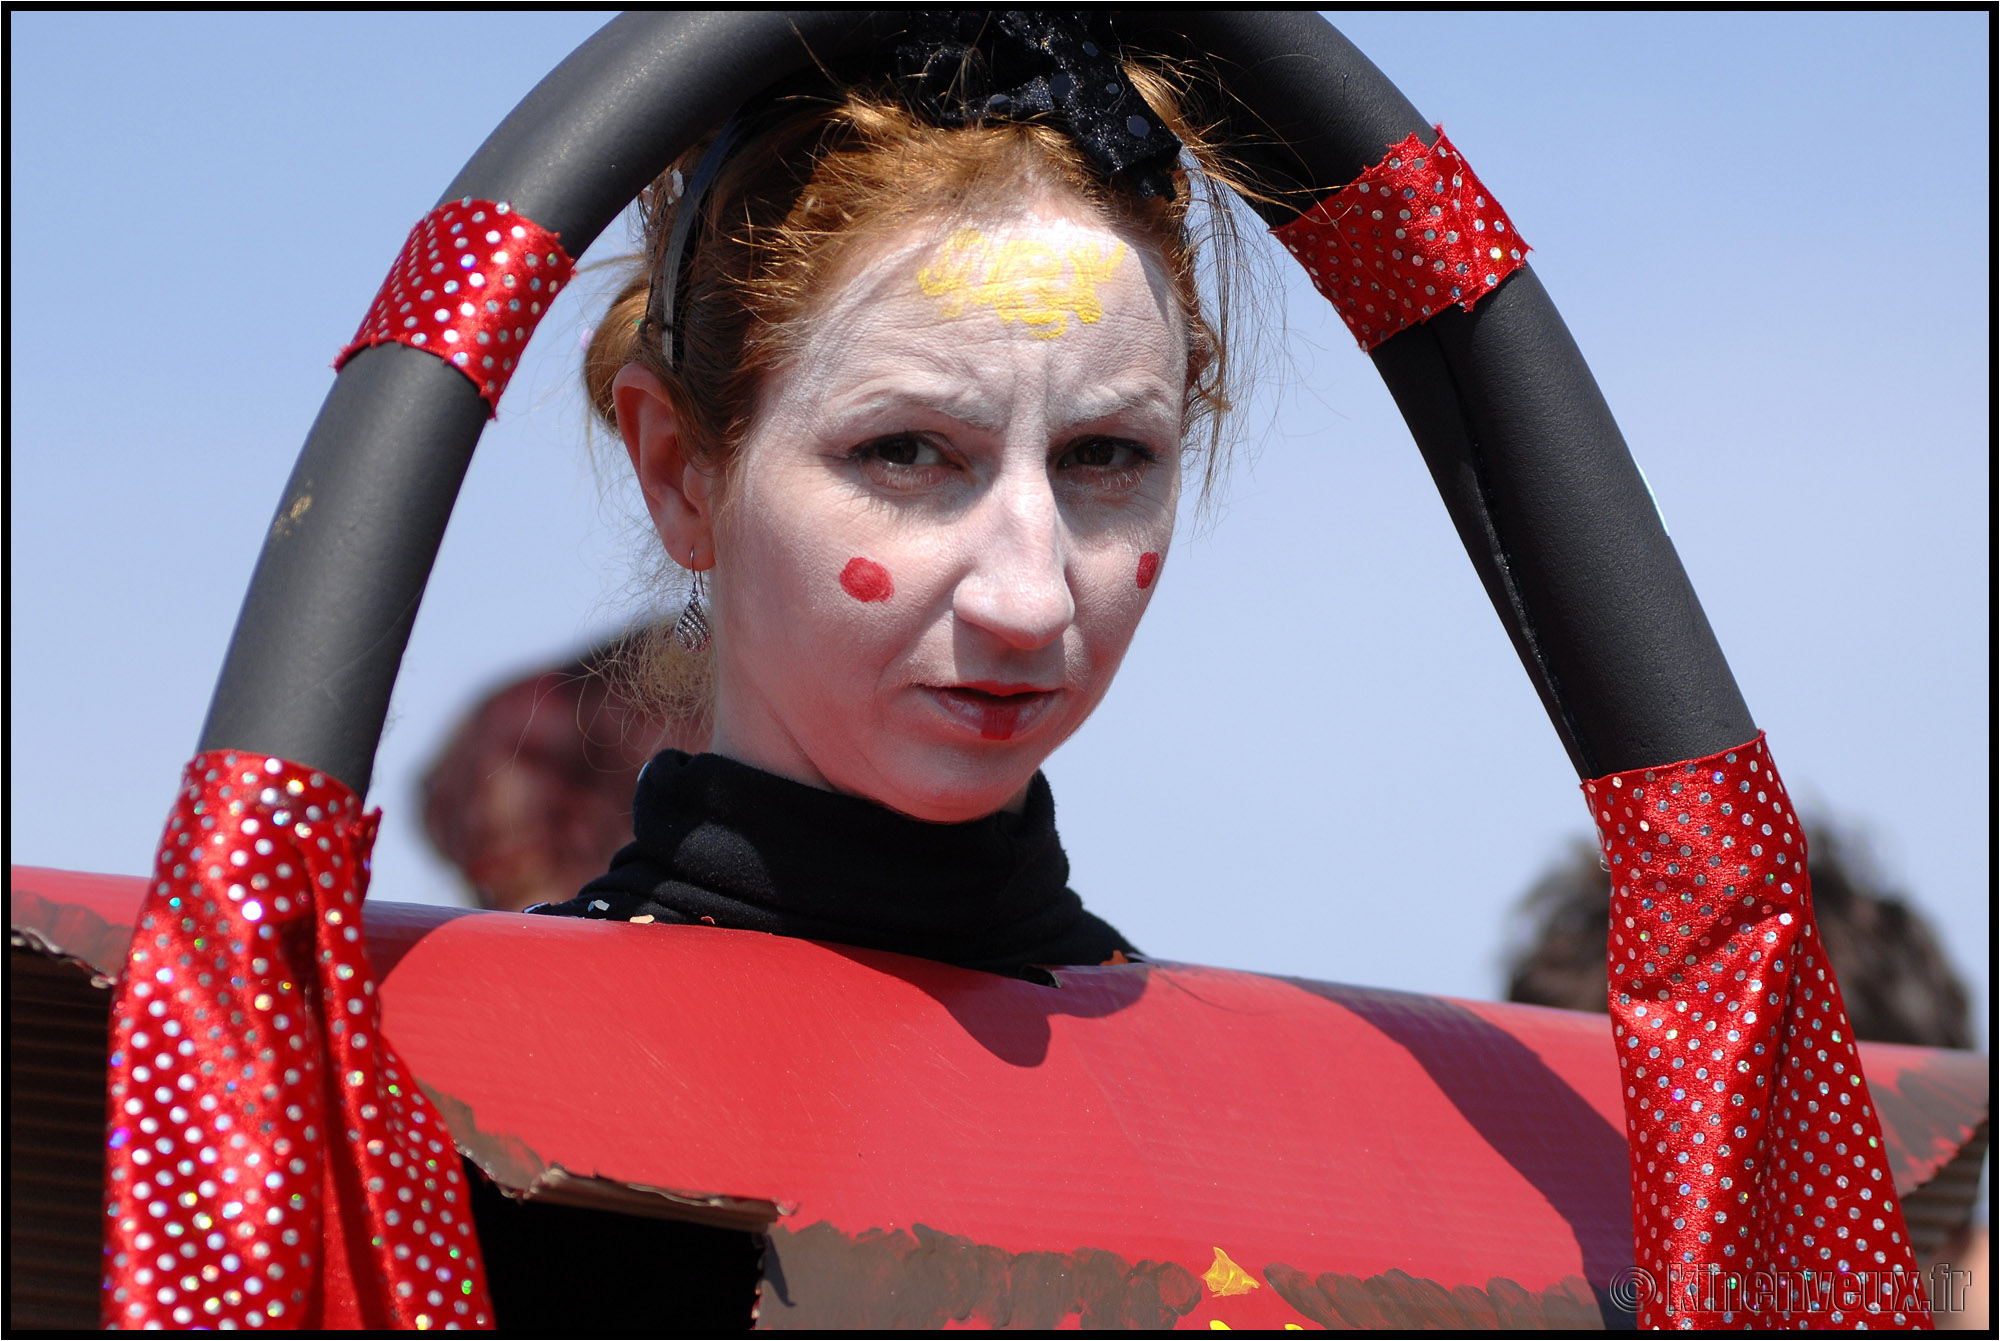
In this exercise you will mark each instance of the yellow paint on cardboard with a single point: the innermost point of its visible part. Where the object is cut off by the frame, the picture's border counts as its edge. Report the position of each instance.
(1020, 279)
(1226, 1278)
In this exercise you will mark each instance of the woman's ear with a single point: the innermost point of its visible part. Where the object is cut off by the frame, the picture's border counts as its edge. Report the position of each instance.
(677, 489)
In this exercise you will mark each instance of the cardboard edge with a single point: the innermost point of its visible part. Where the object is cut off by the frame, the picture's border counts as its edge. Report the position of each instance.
(1939, 1209)
(68, 930)
(519, 1171)
(27, 938)
(1933, 1104)
(560, 1187)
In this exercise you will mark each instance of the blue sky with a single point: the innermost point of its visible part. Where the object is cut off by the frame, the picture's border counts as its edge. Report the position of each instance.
(1322, 757)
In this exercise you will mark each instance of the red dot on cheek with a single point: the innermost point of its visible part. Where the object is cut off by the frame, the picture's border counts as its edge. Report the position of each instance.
(866, 580)
(1149, 568)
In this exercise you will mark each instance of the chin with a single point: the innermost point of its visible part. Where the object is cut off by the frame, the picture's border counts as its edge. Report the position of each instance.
(948, 787)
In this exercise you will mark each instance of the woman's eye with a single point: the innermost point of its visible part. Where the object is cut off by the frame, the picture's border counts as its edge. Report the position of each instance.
(903, 461)
(1106, 454)
(901, 449)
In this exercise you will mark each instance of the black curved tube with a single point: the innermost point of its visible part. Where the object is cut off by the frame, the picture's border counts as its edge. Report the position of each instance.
(1517, 436)
(1526, 454)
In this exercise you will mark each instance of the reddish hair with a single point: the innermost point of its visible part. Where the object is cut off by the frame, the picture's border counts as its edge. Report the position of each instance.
(831, 173)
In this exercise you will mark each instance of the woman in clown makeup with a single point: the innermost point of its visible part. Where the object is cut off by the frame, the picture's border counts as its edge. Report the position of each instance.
(914, 401)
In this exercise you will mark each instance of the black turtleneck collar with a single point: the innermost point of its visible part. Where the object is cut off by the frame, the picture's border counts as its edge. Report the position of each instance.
(720, 842)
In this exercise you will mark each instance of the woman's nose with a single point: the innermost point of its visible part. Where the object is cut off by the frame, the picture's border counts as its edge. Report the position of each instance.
(1017, 588)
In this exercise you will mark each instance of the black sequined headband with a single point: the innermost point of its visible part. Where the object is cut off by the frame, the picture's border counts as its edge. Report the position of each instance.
(965, 67)
(959, 67)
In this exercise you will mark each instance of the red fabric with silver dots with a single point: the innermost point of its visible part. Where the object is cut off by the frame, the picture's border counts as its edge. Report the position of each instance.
(1404, 240)
(1756, 1151)
(471, 285)
(270, 1162)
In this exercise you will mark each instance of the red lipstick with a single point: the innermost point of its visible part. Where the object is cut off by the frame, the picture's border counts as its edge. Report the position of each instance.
(996, 710)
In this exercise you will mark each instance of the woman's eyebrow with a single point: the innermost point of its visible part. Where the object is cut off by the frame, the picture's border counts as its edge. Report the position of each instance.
(1110, 402)
(975, 411)
(988, 415)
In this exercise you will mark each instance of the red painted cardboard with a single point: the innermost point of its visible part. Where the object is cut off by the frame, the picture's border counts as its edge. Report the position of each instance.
(1143, 1145)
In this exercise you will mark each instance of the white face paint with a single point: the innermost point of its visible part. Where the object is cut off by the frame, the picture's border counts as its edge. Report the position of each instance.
(948, 516)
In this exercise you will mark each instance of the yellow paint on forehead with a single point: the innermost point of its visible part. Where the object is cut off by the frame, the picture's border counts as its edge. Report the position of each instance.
(1027, 280)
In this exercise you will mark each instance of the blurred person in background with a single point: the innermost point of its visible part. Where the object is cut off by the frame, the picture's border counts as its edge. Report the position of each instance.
(532, 793)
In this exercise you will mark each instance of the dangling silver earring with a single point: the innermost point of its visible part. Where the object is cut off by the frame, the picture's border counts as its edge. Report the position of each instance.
(691, 629)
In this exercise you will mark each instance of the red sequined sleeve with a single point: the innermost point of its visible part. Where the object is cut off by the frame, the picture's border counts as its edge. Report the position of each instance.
(269, 1163)
(1761, 1195)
